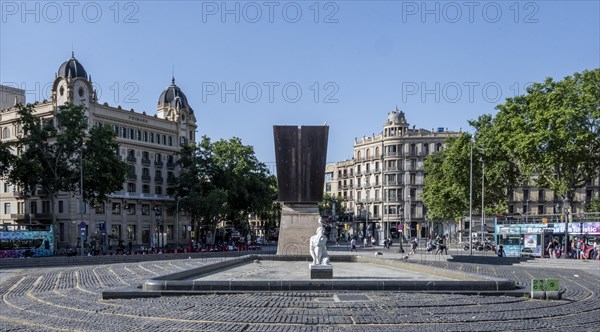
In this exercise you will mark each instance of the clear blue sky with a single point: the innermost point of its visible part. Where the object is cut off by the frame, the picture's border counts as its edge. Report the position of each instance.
(442, 63)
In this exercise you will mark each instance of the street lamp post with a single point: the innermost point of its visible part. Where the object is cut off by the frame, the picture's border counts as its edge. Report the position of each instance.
(80, 194)
(158, 233)
(566, 206)
(401, 249)
(177, 220)
(482, 201)
(409, 212)
(471, 198)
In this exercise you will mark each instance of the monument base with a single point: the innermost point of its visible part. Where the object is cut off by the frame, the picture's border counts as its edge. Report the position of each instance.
(298, 224)
(320, 271)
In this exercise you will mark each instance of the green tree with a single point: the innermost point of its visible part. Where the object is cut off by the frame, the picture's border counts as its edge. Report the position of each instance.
(550, 136)
(553, 132)
(103, 170)
(327, 204)
(223, 180)
(594, 205)
(448, 176)
(270, 216)
(6, 158)
(50, 155)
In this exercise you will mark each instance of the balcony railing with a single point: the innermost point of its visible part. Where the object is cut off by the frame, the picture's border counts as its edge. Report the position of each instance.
(132, 176)
(158, 163)
(158, 179)
(171, 165)
(20, 216)
(131, 159)
(146, 178)
(146, 162)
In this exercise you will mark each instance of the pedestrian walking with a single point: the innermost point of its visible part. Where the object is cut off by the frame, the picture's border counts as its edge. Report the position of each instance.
(501, 252)
(353, 245)
(413, 246)
(445, 244)
(429, 245)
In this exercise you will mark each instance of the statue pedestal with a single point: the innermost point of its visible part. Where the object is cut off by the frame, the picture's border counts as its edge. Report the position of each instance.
(298, 224)
(320, 271)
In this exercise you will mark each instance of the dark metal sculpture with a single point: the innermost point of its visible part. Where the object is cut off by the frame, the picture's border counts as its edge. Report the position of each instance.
(301, 154)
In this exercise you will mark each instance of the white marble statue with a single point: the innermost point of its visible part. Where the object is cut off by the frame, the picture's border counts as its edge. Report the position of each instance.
(318, 248)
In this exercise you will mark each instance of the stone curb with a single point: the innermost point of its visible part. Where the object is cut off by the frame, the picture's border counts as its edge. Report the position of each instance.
(174, 284)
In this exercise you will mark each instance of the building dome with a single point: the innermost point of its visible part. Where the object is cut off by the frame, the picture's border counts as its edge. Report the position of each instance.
(174, 97)
(72, 68)
(396, 117)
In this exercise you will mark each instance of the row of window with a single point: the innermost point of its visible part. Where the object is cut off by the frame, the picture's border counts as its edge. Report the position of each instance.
(146, 157)
(128, 208)
(117, 235)
(140, 135)
(392, 150)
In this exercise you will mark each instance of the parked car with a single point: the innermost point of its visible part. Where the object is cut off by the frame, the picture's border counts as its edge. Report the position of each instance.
(529, 252)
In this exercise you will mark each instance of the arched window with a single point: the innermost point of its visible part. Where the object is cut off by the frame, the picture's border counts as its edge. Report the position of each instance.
(413, 149)
(377, 152)
(368, 153)
(438, 147)
(6, 132)
(358, 155)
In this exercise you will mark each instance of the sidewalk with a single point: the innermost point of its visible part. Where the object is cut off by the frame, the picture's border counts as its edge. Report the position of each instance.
(462, 256)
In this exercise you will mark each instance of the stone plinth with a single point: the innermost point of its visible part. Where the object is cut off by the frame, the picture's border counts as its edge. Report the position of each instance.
(298, 224)
(320, 271)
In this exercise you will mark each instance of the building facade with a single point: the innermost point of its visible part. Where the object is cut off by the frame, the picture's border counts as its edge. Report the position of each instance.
(381, 185)
(142, 212)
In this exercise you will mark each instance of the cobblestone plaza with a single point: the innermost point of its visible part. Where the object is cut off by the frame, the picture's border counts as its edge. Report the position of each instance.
(69, 298)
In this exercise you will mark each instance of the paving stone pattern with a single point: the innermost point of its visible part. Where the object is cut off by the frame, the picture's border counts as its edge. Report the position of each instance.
(69, 298)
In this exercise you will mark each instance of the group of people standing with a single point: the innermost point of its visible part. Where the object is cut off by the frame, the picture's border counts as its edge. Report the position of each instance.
(440, 243)
(579, 249)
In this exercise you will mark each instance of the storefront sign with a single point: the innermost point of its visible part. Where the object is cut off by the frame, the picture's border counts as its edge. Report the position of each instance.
(591, 228)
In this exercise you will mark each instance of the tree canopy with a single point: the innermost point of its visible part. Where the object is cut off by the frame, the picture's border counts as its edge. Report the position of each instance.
(549, 137)
(553, 132)
(327, 204)
(50, 155)
(5, 158)
(223, 180)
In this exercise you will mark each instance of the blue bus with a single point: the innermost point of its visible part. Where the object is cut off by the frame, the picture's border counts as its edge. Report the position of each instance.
(530, 236)
(18, 241)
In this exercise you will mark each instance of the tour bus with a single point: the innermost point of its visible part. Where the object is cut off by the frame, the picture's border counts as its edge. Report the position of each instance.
(530, 236)
(26, 241)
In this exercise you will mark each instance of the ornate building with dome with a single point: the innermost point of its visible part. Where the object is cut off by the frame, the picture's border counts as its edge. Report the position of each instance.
(142, 212)
(382, 183)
